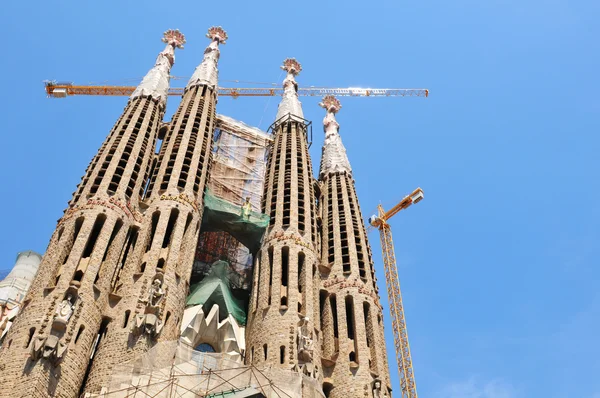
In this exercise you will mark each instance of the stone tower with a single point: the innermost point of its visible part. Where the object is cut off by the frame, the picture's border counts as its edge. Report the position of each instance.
(151, 288)
(48, 348)
(283, 326)
(354, 357)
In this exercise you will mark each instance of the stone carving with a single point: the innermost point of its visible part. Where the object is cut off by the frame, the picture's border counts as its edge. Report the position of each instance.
(377, 389)
(305, 341)
(148, 324)
(155, 293)
(53, 346)
(63, 312)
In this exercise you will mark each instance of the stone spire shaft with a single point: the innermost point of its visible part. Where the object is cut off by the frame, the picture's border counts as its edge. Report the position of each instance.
(290, 104)
(156, 82)
(283, 324)
(69, 305)
(160, 264)
(333, 158)
(351, 319)
(207, 73)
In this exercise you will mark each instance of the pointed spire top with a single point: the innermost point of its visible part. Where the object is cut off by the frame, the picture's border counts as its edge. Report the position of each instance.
(289, 103)
(156, 82)
(333, 158)
(207, 72)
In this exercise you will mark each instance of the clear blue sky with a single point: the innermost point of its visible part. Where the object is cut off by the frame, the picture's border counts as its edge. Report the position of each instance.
(499, 262)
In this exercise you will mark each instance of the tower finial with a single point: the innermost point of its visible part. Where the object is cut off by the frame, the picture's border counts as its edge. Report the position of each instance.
(334, 158)
(156, 82)
(174, 38)
(207, 72)
(217, 33)
(291, 66)
(289, 103)
(331, 104)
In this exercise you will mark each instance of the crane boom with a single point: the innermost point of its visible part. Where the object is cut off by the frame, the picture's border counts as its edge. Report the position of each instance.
(62, 90)
(401, 344)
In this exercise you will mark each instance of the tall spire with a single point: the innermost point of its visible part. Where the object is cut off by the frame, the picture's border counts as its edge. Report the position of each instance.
(156, 82)
(333, 158)
(289, 103)
(207, 72)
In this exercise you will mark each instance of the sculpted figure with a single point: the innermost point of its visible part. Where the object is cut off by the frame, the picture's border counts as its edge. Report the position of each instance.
(155, 294)
(64, 311)
(305, 341)
(377, 389)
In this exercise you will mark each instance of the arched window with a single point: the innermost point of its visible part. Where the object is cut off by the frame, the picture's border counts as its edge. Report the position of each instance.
(205, 347)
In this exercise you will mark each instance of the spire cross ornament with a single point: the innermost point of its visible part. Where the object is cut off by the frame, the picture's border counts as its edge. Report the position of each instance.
(216, 33)
(174, 38)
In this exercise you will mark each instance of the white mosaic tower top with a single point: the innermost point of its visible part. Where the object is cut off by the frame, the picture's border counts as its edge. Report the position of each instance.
(156, 82)
(333, 158)
(207, 72)
(289, 103)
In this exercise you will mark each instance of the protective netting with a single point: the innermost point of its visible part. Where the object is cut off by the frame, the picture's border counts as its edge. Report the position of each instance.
(247, 227)
(215, 289)
(237, 179)
(173, 369)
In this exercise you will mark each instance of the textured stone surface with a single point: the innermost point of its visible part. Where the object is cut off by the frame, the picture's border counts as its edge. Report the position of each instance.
(286, 272)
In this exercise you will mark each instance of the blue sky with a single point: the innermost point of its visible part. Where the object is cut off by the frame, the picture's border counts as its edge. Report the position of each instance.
(498, 264)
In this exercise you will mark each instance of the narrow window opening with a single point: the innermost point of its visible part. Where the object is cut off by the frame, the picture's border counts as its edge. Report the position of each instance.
(143, 267)
(101, 334)
(333, 303)
(265, 351)
(350, 316)
(281, 354)
(79, 333)
(155, 217)
(270, 272)
(285, 259)
(31, 333)
(126, 318)
(96, 229)
(161, 265)
(170, 227)
(300, 269)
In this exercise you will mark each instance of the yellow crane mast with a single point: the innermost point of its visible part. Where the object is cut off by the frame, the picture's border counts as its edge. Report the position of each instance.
(401, 345)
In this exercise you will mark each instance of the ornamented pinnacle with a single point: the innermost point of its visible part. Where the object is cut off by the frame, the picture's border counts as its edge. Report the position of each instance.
(333, 158)
(217, 33)
(289, 103)
(174, 37)
(207, 72)
(156, 82)
(291, 66)
(331, 104)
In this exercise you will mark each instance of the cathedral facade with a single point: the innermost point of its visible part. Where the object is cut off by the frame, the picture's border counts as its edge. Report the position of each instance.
(138, 258)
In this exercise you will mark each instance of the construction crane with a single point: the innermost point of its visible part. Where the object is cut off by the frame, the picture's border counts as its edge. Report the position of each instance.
(403, 357)
(63, 90)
